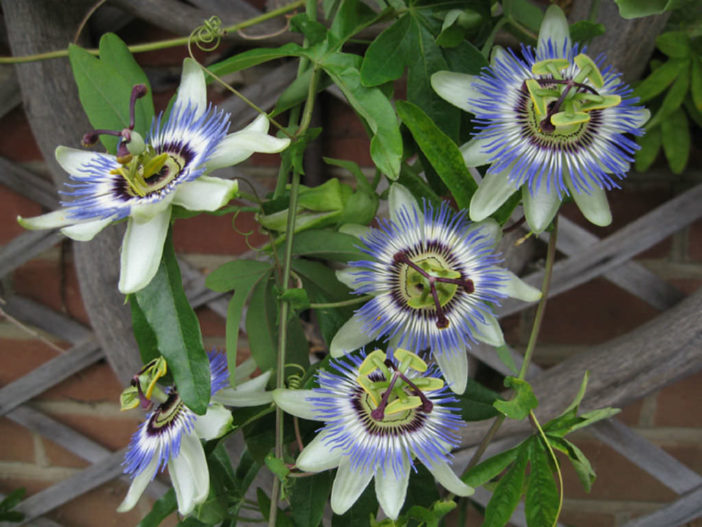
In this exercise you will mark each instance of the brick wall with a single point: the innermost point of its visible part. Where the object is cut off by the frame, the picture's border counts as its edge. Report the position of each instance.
(588, 315)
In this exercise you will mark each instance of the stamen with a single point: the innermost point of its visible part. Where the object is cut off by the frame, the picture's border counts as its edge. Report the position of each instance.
(427, 405)
(145, 402)
(379, 413)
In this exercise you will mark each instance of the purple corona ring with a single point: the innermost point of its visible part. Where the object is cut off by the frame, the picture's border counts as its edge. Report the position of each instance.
(380, 416)
(553, 122)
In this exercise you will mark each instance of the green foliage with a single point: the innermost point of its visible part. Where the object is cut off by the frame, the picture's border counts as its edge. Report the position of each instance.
(177, 330)
(308, 497)
(541, 501)
(162, 508)
(477, 401)
(105, 85)
(639, 8)
(8, 503)
(523, 401)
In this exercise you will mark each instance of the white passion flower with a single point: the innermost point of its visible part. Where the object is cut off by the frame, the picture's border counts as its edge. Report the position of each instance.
(147, 177)
(553, 123)
(380, 415)
(435, 280)
(171, 433)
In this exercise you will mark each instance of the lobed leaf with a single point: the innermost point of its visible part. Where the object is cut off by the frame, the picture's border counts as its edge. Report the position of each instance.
(523, 401)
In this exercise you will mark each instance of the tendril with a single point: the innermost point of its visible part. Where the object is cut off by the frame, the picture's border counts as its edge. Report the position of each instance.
(246, 235)
(208, 36)
(294, 381)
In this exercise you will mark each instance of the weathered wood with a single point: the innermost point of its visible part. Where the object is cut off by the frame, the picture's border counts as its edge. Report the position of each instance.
(25, 247)
(56, 117)
(49, 374)
(680, 512)
(658, 353)
(616, 43)
(630, 276)
(9, 90)
(38, 522)
(37, 315)
(611, 252)
(28, 184)
(654, 460)
(70, 488)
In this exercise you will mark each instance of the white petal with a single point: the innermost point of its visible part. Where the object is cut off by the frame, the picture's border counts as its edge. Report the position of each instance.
(355, 229)
(142, 248)
(488, 228)
(489, 331)
(593, 204)
(143, 212)
(205, 193)
(347, 276)
(215, 423)
(86, 231)
(540, 207)
(642, 117)
(318, 456)
(249, 393)
(492, 192)
(192, 91)
(238, 146)
(50, 220)
(391, 490)
(348, 486)
(474, 153)
(400, 197)
(456, 88)
(139, 484)
(497, 54)
(73, 159)
(295, 402)
(515, 287)
(454, 367)
(189, 474)
(448, 479)
(256, 384)
(244, 370)
(350, 337)
(554, 27)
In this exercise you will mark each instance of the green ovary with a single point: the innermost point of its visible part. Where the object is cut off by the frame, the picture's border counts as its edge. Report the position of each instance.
(149, 172)
(417, 289)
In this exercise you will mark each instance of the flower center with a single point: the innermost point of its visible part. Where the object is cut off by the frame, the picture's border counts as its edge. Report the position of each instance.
(166, 413)
(562, 105)
(428, 282)
(391, 398)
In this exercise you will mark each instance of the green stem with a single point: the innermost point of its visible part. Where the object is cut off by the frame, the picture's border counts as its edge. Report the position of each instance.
(491, 37)
(161, 44)
(536, 327)
(342, 303)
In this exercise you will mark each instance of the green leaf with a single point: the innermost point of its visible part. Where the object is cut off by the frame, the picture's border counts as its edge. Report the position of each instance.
(696, 82)
(145, 336)
(177, 331)
(675, 44)
(264, 505)
(658, 80)
(375, 109)
(489, 469)
(508, 491)
(351, 18)
(308, 497)
(476, 402)
(504, 353)
(524, 12)
(361, 180)
(585, 30)
(675, 96)
(523, 402)
(465, 58)
(240, 276)
(419, 188)
(580, 463)
(386, 57)
(13, 499)
(441, 151)
(161, 509)
(650, 144)
(676, 140)
(328, 245)
(541, 501)
(277, 466)
(639, 8)
(431, 517)
(313, 30)
(254, 57)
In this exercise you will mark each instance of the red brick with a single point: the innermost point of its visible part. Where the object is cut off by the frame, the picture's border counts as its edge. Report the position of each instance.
(32, 486)
(631, 413)
(17, 442)
(222, 234)
(617, 478)
(686, 285)
(14, 205)
(96, 383)
(46, 282)
(111, 432)
(573, 518)
(265, 160)
(593, 313)
(58, 456)
(211, 324)
(626, 206)
(695, 241)
(18, 143)
(679, 403)
(19, 357)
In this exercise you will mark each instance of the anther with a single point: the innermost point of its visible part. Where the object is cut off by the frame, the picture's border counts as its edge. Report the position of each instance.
(427, 405)
(145, 403)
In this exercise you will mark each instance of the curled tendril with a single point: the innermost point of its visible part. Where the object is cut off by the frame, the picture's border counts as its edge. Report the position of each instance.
(246, 235)
(294, 380)
(208, 36)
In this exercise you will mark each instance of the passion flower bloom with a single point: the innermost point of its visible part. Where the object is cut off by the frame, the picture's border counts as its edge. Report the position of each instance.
(146, 178)
(435, 280)
(171, 433)
(553, 123)
(379, 417)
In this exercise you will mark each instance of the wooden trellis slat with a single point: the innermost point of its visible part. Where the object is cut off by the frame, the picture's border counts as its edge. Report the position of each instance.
(48, 374)
(25, 247)
(685, 509)
(28, 184)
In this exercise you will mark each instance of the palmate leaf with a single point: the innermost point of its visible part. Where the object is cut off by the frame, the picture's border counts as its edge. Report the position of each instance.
(177, 330)
(541, 502)
(508, 491)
